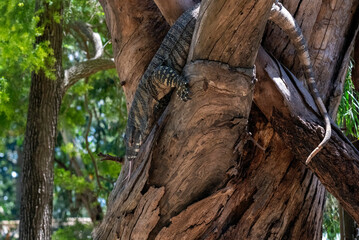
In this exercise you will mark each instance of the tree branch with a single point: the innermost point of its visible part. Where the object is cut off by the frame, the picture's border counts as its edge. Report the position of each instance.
(95, 63)
(280, 96)
(86, 69)
(86, 33)
(105, 157)
(221, 25)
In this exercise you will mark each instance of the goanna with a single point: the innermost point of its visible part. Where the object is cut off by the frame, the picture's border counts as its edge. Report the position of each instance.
(155, 87)
(164, 73)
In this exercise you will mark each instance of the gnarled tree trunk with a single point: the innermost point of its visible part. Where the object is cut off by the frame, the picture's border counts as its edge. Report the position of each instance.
(196, 178)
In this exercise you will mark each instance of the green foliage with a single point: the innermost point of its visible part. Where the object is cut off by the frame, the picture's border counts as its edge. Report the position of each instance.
(17, 37)
(108, 108)
(331, 224)
(19, 56)
(17, 34)
(74, 46)
(348, 120)
(76, 232)
(348, 112)
(4, 96)
(66, 180)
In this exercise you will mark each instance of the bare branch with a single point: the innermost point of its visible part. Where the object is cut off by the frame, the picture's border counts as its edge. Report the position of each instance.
(95, 63)
(86, 139)
(85, 31)
(86, 69)
(109, 157)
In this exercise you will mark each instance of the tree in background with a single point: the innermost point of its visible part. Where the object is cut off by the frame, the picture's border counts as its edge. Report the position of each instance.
(41, 128)
(49, 84)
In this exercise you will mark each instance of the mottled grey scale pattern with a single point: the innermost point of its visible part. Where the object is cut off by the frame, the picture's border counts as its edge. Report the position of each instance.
(162, 74)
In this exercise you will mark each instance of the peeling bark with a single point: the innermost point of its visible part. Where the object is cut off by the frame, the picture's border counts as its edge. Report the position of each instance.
(207, 128)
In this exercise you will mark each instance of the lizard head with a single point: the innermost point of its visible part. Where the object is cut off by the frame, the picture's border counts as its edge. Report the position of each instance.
(133, 142)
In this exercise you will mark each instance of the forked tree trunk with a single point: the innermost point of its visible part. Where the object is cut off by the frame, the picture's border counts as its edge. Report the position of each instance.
(196, 178)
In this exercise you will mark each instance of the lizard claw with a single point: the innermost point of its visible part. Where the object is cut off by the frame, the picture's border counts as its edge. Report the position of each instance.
(127, 178)
(183, 92)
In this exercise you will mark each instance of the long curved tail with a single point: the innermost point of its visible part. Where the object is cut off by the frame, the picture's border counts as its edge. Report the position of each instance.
(281, 17)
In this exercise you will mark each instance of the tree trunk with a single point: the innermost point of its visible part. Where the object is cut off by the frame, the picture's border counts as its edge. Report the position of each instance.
(189, 181)
(44, 104)
(41, 128)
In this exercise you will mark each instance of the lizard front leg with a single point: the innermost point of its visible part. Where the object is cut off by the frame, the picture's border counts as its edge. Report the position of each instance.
(165, 78)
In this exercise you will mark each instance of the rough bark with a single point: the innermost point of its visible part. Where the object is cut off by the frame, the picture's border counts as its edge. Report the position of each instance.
(44, 104)
(299, 126)
(265, 194)
(222, 25)
(330, 39)
(330, 28)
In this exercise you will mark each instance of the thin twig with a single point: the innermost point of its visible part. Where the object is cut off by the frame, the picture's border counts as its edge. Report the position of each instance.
(86, 138)
(105, 157)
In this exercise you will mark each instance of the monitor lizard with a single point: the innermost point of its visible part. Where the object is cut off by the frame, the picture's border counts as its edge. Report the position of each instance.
(164, 74)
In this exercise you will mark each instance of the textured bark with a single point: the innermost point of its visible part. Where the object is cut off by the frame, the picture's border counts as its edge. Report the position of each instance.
(303, 132)
(44, 104)
(330, 28)
(205, 188)
(222, 25)
(330, 37)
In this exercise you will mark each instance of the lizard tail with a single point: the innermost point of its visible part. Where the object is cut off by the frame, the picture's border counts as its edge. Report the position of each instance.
(328, 134)
(281, 17)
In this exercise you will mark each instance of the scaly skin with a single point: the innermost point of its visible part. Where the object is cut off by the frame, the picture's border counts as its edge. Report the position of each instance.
(164, 73)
